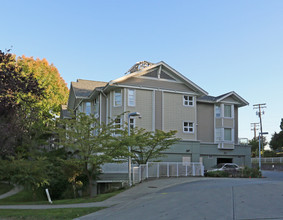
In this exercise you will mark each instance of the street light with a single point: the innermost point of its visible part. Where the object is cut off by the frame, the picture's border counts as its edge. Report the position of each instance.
(133, 114)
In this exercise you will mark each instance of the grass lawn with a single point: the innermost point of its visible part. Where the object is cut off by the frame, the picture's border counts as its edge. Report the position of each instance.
(46, 214)
(26, 198)
(4, 187)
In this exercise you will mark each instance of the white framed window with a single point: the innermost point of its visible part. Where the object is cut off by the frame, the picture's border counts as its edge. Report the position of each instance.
(228, 134)
(117, 125)
(188, 127)
(218, 134)
(117, 98)
(228, 111)
(132, 123)
(87, 108)
(188, 100)
(131, 97)
(217, 111)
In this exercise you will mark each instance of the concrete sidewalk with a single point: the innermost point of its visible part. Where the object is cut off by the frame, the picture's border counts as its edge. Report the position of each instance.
(142, 189)
(14, 191)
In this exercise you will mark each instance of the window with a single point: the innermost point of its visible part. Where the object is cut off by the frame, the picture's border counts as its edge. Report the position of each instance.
(131, 97)
(218, 134)
(80, 108)
(132, 123)
(217, 111)
(117, 98)
(87, 108)
(228, 111)
(188, 100)
(117, 125)
(227, 134)
(188, 127)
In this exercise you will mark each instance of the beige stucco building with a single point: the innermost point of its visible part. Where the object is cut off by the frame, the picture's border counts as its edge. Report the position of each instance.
(167, 100)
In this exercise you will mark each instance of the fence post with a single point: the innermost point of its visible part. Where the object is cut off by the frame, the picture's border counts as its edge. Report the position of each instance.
(157, 170)
(177, 169)
(202, 170)
(167, 169)
(140, 177)
(147, 170)
(194, 172)
(186, 168)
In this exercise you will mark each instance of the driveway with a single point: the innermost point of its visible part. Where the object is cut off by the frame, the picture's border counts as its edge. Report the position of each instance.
(205, 198)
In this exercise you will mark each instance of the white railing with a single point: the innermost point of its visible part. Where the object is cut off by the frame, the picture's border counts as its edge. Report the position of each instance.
(166, 169)
(268, 160)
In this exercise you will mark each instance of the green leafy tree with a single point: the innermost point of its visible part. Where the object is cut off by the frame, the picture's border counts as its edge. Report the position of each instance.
(254, 146)
(92, 142)
(276, 142)
(150, 145)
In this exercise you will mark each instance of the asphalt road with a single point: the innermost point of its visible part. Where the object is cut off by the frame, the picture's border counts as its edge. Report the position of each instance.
(215, 199)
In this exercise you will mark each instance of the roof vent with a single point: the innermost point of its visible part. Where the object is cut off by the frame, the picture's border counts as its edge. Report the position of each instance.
(139, 66)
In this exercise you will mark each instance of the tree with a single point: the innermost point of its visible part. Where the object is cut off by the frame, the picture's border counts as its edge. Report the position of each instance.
(254, 146)
(276, 142)
(151, 145)
(92, 142)
(48, 77)
(18, 95)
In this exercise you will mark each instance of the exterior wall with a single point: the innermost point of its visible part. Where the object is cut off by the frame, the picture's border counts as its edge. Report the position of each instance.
(103, 109)
(72, 99)
(158, 110)
(181, 150)
(240, 155)
(175, 113)
(116, 110)
(155, 83)
(144, 106)
(236, 125)
(205, 120)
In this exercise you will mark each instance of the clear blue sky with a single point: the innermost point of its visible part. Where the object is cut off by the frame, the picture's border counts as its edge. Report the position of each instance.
(220, 45)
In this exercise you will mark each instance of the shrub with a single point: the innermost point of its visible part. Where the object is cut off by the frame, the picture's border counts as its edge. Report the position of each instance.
(217, 174)
(251, 172)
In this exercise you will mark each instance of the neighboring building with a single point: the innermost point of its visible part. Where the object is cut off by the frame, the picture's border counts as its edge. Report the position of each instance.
(167, 100)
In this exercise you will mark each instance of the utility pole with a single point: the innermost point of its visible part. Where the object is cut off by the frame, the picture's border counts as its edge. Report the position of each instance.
(260, 112)
(254, 128)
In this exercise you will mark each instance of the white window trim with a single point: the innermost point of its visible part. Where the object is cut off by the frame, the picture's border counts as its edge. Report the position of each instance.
(189, 132)
(114, 98)
(232, 136)
(215, 106)
(134, 122)
(134, 96)
(114, 133)
(232, 110)
(188, 101)
(223, 136)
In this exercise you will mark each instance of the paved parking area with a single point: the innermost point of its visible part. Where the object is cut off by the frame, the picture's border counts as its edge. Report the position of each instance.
(191, 198)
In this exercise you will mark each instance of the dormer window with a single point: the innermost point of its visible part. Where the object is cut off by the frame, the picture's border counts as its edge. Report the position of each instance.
(188, 100)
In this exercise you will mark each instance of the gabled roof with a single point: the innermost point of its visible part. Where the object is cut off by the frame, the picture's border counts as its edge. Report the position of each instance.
(83, 88)
(216, 99)
(141, 71)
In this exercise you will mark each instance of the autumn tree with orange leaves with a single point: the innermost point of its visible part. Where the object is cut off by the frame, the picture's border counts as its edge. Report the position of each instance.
(48, 77)
(31, 92)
